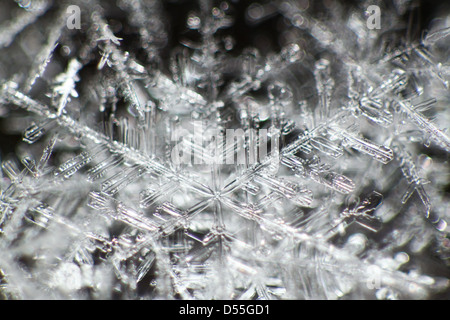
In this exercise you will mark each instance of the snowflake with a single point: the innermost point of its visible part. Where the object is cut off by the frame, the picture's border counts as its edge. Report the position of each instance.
(171, 161)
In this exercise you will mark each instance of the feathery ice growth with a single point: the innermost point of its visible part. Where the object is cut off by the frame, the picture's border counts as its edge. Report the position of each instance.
(284, 149)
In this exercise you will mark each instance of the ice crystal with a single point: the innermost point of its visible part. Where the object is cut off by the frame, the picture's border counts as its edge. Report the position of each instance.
(223, 150)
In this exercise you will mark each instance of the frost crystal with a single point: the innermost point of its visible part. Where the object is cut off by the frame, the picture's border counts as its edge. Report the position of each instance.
(223, 150)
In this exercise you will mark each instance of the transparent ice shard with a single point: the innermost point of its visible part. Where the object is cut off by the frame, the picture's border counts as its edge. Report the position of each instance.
(415, 182)
(324, 145)
(145, 266)
(70, 167)
(36, 130)
(322, 137)
(424, 105)
(375, 110)
(170, 209)
(379, 153)
(286, 189)
(361, 213)
(151, 196)
(99, 170)
(118, 211)
(426, 125)
(251, 188)
(319, 172)
(324, 85)
(120, 180)
(11, 169)
(40, 215)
